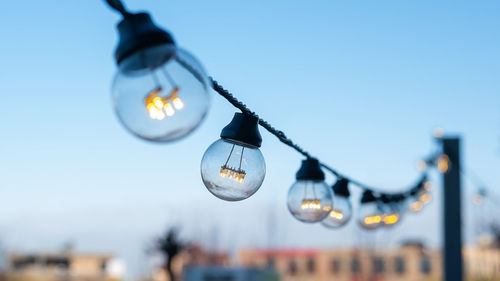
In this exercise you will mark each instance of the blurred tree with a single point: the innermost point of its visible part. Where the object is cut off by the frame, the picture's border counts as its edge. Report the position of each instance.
(169, 246)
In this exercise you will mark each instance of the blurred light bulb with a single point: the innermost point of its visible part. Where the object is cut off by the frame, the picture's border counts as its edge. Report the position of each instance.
(438, 132)
(148, 59)
(421, 165)
(233, 167)
(415, 206)
(478, 199)
(369, 215)
(443, 163)
(309, 198)
(391, 219)
(425, 197)
(390, 209)
(341, 211)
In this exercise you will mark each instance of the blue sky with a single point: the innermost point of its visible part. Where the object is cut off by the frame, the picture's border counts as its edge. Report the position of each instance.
(359, 83)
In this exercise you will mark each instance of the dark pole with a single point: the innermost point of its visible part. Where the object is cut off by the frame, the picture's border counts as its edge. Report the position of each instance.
(453, 264)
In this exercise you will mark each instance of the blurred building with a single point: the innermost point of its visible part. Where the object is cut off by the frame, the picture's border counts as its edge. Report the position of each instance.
(58, 266)
(410, 262)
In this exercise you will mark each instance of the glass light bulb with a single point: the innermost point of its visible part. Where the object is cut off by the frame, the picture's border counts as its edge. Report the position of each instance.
(232, 171)
(310, 201)
(161, 93)
(390, 216)
(340, 214)
(414, 204)
(369, 216)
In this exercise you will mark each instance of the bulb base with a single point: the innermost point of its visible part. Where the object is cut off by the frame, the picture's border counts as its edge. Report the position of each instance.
(138, 32)
(340, 188)
(310, 170)
(368, 197)
(243, 129)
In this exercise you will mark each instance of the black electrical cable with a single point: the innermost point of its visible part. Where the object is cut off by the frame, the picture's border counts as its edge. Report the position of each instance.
(118, 6)
(282, 136)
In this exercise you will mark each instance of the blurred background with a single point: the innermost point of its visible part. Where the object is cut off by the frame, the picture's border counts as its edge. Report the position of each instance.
(361, 84)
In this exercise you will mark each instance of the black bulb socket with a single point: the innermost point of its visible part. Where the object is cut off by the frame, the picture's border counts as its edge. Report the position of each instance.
(244, 130)
(138, 32)
(341, 188)
(386, 198)
(310, 170)
(368, 197)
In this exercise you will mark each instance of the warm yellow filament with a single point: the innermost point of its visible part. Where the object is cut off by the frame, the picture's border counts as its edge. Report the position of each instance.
(313, 204)
(169, 110)
(373, 219)
(336, 214)
(178, 104)
(231, 173)
(391, 219)
(158, 107)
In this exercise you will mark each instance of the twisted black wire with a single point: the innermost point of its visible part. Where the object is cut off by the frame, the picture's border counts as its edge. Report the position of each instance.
(117, 5)
(244, 109)
(281, 135)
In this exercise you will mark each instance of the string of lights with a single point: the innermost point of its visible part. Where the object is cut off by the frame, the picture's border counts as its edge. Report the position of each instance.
(161, 94)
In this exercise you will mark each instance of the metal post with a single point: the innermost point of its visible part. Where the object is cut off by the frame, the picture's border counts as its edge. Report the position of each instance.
(453, 264)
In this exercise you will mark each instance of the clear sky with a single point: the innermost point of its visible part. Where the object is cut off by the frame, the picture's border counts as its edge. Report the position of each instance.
(359, 83)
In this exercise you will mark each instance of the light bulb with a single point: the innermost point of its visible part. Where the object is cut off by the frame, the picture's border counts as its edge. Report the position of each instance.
(233, 168)
(421, 165)
(443, 163)
(341, 211)
(309, 198)
(369, 215)
(160, 92)
(390, 210)
(419, 195)
(415, 206)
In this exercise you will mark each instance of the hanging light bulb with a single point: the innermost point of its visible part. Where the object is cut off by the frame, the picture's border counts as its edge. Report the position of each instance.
(309, 198)
(420, 195)
(390, 212)
(369, 216)
(443, 163)
(233, 167)
(160, 92)
(341, 211)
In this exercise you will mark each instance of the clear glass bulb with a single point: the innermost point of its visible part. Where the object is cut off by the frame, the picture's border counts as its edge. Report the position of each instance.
(391, 216)
(340, 214)
(414, 204)
(369, 216)
(161, 93)
(310, 201)
(232, 171)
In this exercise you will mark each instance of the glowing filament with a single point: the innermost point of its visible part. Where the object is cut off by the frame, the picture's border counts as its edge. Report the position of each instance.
(178, 104)
(391, 219)
(313, 204)
(338, 215)
(158, 107)
(232, 173)
(428, 185)
(169, 110)
(372, 219)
